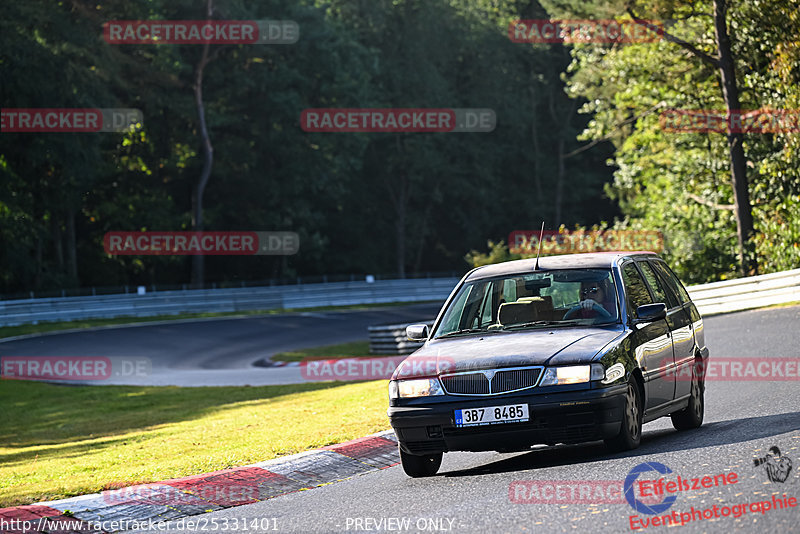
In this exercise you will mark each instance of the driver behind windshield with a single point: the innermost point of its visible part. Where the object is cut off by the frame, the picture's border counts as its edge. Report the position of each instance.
(597, 300)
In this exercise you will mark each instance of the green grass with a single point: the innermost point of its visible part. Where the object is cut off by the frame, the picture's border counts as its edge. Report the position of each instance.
(782, 305)
(59, 441)
(10, 331)
(343, 350)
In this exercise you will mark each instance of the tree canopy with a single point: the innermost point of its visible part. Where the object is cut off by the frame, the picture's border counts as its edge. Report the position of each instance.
(577, 139)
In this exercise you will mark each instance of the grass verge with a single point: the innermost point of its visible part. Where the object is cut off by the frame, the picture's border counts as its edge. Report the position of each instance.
(59, 441)
(342, 350)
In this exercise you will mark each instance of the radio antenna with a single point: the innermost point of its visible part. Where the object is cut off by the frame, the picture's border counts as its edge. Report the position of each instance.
(541, 233)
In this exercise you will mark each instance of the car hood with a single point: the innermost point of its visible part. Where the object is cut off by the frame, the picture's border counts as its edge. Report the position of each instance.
(556, 346)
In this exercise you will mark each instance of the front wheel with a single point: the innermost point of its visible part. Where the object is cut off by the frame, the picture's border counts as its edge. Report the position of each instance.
(420, 466)
(630, 434)
(691, 416)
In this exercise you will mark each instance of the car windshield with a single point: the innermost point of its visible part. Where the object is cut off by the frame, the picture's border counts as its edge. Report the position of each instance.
(547, 298)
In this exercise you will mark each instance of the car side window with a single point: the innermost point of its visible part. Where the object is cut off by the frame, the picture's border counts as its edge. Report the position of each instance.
(635, 289)
(656, 286)
(673, 282)
(666, 284)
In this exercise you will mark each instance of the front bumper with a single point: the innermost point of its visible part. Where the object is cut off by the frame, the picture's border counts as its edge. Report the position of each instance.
(568, 417)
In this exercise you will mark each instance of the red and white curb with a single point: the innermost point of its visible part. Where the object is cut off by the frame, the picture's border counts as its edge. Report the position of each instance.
(188, 496)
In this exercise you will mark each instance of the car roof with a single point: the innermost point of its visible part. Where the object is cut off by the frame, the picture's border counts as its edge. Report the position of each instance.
(595, 260)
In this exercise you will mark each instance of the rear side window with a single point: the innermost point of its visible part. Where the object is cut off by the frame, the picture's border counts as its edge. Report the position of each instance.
(656, 286)
(635, 289)
(672, 281)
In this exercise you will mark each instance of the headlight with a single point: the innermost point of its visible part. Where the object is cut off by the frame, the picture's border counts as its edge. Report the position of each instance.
(574, 374)
(418, 387)
(615, 372)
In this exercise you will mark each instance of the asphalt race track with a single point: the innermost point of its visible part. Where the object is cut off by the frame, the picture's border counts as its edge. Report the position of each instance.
(474, 492)
(471, 492)
(216, 352)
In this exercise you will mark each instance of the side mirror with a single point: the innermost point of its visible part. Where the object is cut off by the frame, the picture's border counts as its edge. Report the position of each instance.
(417, 332)
(650, 312)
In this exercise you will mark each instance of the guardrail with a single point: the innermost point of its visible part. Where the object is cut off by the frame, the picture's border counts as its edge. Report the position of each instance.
(746, 293)
(15, 312)
(716, 297)
(391, 338)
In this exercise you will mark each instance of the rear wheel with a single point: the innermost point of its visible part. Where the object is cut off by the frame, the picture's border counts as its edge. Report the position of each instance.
(630, 433)
(420, 466)
(691, 416)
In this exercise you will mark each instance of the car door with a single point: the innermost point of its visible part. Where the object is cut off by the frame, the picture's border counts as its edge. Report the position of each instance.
(682, 328)
(652, 342)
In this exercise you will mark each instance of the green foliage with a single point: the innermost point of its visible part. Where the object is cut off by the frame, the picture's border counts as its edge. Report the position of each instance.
(498, 253)
(679, 183)
(425, 198)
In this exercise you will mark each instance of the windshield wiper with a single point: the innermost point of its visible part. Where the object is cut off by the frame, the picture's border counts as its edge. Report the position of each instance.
(539, 323)
(462, 331)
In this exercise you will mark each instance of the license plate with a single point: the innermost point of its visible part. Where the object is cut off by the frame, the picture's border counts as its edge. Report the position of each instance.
(512, 413)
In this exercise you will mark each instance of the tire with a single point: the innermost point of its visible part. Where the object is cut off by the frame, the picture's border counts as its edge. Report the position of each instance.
(630, 433)
(691, 416)
(420, 466)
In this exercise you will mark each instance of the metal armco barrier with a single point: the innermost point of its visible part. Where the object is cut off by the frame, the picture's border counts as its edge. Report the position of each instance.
(15, 312)
(717, 297)
(391, 339)
(746, 293)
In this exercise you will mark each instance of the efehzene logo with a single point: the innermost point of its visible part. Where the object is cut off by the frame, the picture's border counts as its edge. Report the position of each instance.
(668, 488)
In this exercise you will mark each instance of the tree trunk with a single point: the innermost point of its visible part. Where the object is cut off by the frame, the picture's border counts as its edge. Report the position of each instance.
(37, 277)
(399, 193)
(748, 263)
(537, 165)
(72, 255)
(400, 210)
(198, 261)
(561, 167)
(422, 232)
(741, 195)
(559, 183)
(58, 243)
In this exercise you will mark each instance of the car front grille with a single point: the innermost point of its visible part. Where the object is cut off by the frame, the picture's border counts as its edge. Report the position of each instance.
(466, 384)
(491, 382)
